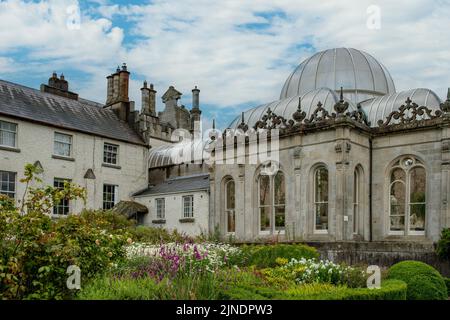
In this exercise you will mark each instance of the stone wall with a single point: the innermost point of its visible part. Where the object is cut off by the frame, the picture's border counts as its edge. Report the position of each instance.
(383, 254)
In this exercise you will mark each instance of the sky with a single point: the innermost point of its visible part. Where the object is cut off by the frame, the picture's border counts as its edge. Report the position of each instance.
(239, 53)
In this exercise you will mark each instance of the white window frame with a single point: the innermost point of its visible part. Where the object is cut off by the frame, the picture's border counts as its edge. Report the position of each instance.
(271, 206)
(186, 208)
(56, 141)
(9, 131)
(316, 203)
(160, 204)
(116, 153)
(55, 207)
(8, 192)
(407, 185)
(115, 194)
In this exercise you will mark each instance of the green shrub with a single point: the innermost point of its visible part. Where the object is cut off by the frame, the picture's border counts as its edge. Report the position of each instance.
(424, 282)
(443, 245)
(447, 283)
(390, 290)
(265, 256)
(35, 251)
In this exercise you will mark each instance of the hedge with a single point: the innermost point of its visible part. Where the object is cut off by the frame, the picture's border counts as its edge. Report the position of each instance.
(390, 290)
(424, 282)
(447, 283)
(264, 256)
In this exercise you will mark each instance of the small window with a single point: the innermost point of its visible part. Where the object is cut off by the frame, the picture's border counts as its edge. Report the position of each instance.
(63, 144)
(8, 132)
(110, 196)
(160, 208)
(8, 183)
(63, 207)
(321, 199)
(110, 153)
(188, 206)
(230, 204)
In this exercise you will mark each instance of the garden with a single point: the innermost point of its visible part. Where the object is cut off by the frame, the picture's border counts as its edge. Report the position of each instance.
(121, 261)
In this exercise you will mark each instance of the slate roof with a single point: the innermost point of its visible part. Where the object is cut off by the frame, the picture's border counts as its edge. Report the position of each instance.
(178, 184)
(83, 115)
(130, 208)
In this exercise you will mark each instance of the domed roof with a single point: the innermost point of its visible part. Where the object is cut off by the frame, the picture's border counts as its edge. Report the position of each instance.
(360, 74)
(287, 107)
(380, 108)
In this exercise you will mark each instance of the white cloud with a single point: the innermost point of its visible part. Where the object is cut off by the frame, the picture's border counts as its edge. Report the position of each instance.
(198, 42)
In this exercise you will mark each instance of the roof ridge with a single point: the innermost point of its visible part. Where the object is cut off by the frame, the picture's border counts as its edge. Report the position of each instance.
(54, 95)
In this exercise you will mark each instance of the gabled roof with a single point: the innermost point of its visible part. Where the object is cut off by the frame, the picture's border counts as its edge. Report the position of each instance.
(179, 184)
(78, 115)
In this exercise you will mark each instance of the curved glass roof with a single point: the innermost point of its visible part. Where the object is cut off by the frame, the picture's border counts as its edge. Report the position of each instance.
(178, 153)
(360, 74)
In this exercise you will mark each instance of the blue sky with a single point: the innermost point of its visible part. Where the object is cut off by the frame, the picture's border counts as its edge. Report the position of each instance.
(238, 53)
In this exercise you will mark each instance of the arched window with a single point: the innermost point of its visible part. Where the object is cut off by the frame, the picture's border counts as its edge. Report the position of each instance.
(272, 202)
(321, 199)
(407, 192)
(230, 206)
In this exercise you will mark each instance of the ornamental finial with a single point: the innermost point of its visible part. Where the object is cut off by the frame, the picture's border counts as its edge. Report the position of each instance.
(445, 106)
(341, 106)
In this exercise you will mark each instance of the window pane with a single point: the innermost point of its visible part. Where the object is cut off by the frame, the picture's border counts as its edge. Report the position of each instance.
(265, 222)
(62, 144)
(321, 185)
(188, 205)
(230, 195)
(398, 174)
(264, 185)
(417, 217)
(160, 208)
(231, 222)
(355, 201)
(8, 183)
(8, 134)
(280, 217)
(110, 153)
(417, 185)
(321, 216)
(280, 189)
(417, 199)
(397, 204)
(109, 196)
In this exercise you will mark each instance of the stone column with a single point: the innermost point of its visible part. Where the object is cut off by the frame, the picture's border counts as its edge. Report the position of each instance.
(240, 202)
(299, 222)
(343, 190)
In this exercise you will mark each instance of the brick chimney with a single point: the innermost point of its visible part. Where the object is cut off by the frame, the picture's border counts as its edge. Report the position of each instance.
(148, 100)
(117, 93)
(58, 86)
